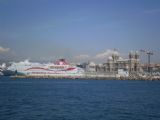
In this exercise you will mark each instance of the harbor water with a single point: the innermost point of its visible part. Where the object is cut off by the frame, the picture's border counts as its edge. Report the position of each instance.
(64, 99)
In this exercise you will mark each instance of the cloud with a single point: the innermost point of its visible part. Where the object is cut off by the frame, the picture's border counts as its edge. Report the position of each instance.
(2, 49)
(100, 57)
(82, 56)
(105, 54)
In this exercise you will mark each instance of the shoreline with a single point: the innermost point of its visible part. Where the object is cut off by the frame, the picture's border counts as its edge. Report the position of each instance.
(87, 78)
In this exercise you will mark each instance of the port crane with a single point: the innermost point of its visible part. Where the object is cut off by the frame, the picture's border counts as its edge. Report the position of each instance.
(149, 53)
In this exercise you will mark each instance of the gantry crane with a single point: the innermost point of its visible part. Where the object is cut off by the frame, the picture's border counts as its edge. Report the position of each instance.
(149, 53)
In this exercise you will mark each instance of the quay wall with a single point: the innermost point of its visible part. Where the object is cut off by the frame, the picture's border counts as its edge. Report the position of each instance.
(91, 76)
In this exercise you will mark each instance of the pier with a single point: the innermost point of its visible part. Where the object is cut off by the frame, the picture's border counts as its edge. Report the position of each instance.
(90, 77)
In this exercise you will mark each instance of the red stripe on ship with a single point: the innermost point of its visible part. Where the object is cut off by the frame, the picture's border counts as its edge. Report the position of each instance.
(71, 69)
(39, 68)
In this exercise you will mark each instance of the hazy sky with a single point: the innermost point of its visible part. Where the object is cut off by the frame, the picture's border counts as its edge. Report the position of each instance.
(77, 29)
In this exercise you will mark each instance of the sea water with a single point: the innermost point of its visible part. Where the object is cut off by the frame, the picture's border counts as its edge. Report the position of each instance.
(64, 99)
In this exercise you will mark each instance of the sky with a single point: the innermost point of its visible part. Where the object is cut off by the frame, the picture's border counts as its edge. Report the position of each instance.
(78, 30)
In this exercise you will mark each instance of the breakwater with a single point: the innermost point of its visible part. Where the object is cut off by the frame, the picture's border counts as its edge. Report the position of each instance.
(89, 77)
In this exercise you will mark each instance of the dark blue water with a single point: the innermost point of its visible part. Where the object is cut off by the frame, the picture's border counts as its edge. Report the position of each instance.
(48, 99)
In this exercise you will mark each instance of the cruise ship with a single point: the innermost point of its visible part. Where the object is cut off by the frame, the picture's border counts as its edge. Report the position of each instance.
(60, 68)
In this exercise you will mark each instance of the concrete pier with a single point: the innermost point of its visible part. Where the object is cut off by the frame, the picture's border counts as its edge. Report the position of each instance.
(91, 77)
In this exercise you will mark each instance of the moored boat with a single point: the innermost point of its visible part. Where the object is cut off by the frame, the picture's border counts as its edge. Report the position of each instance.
(56, 69)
